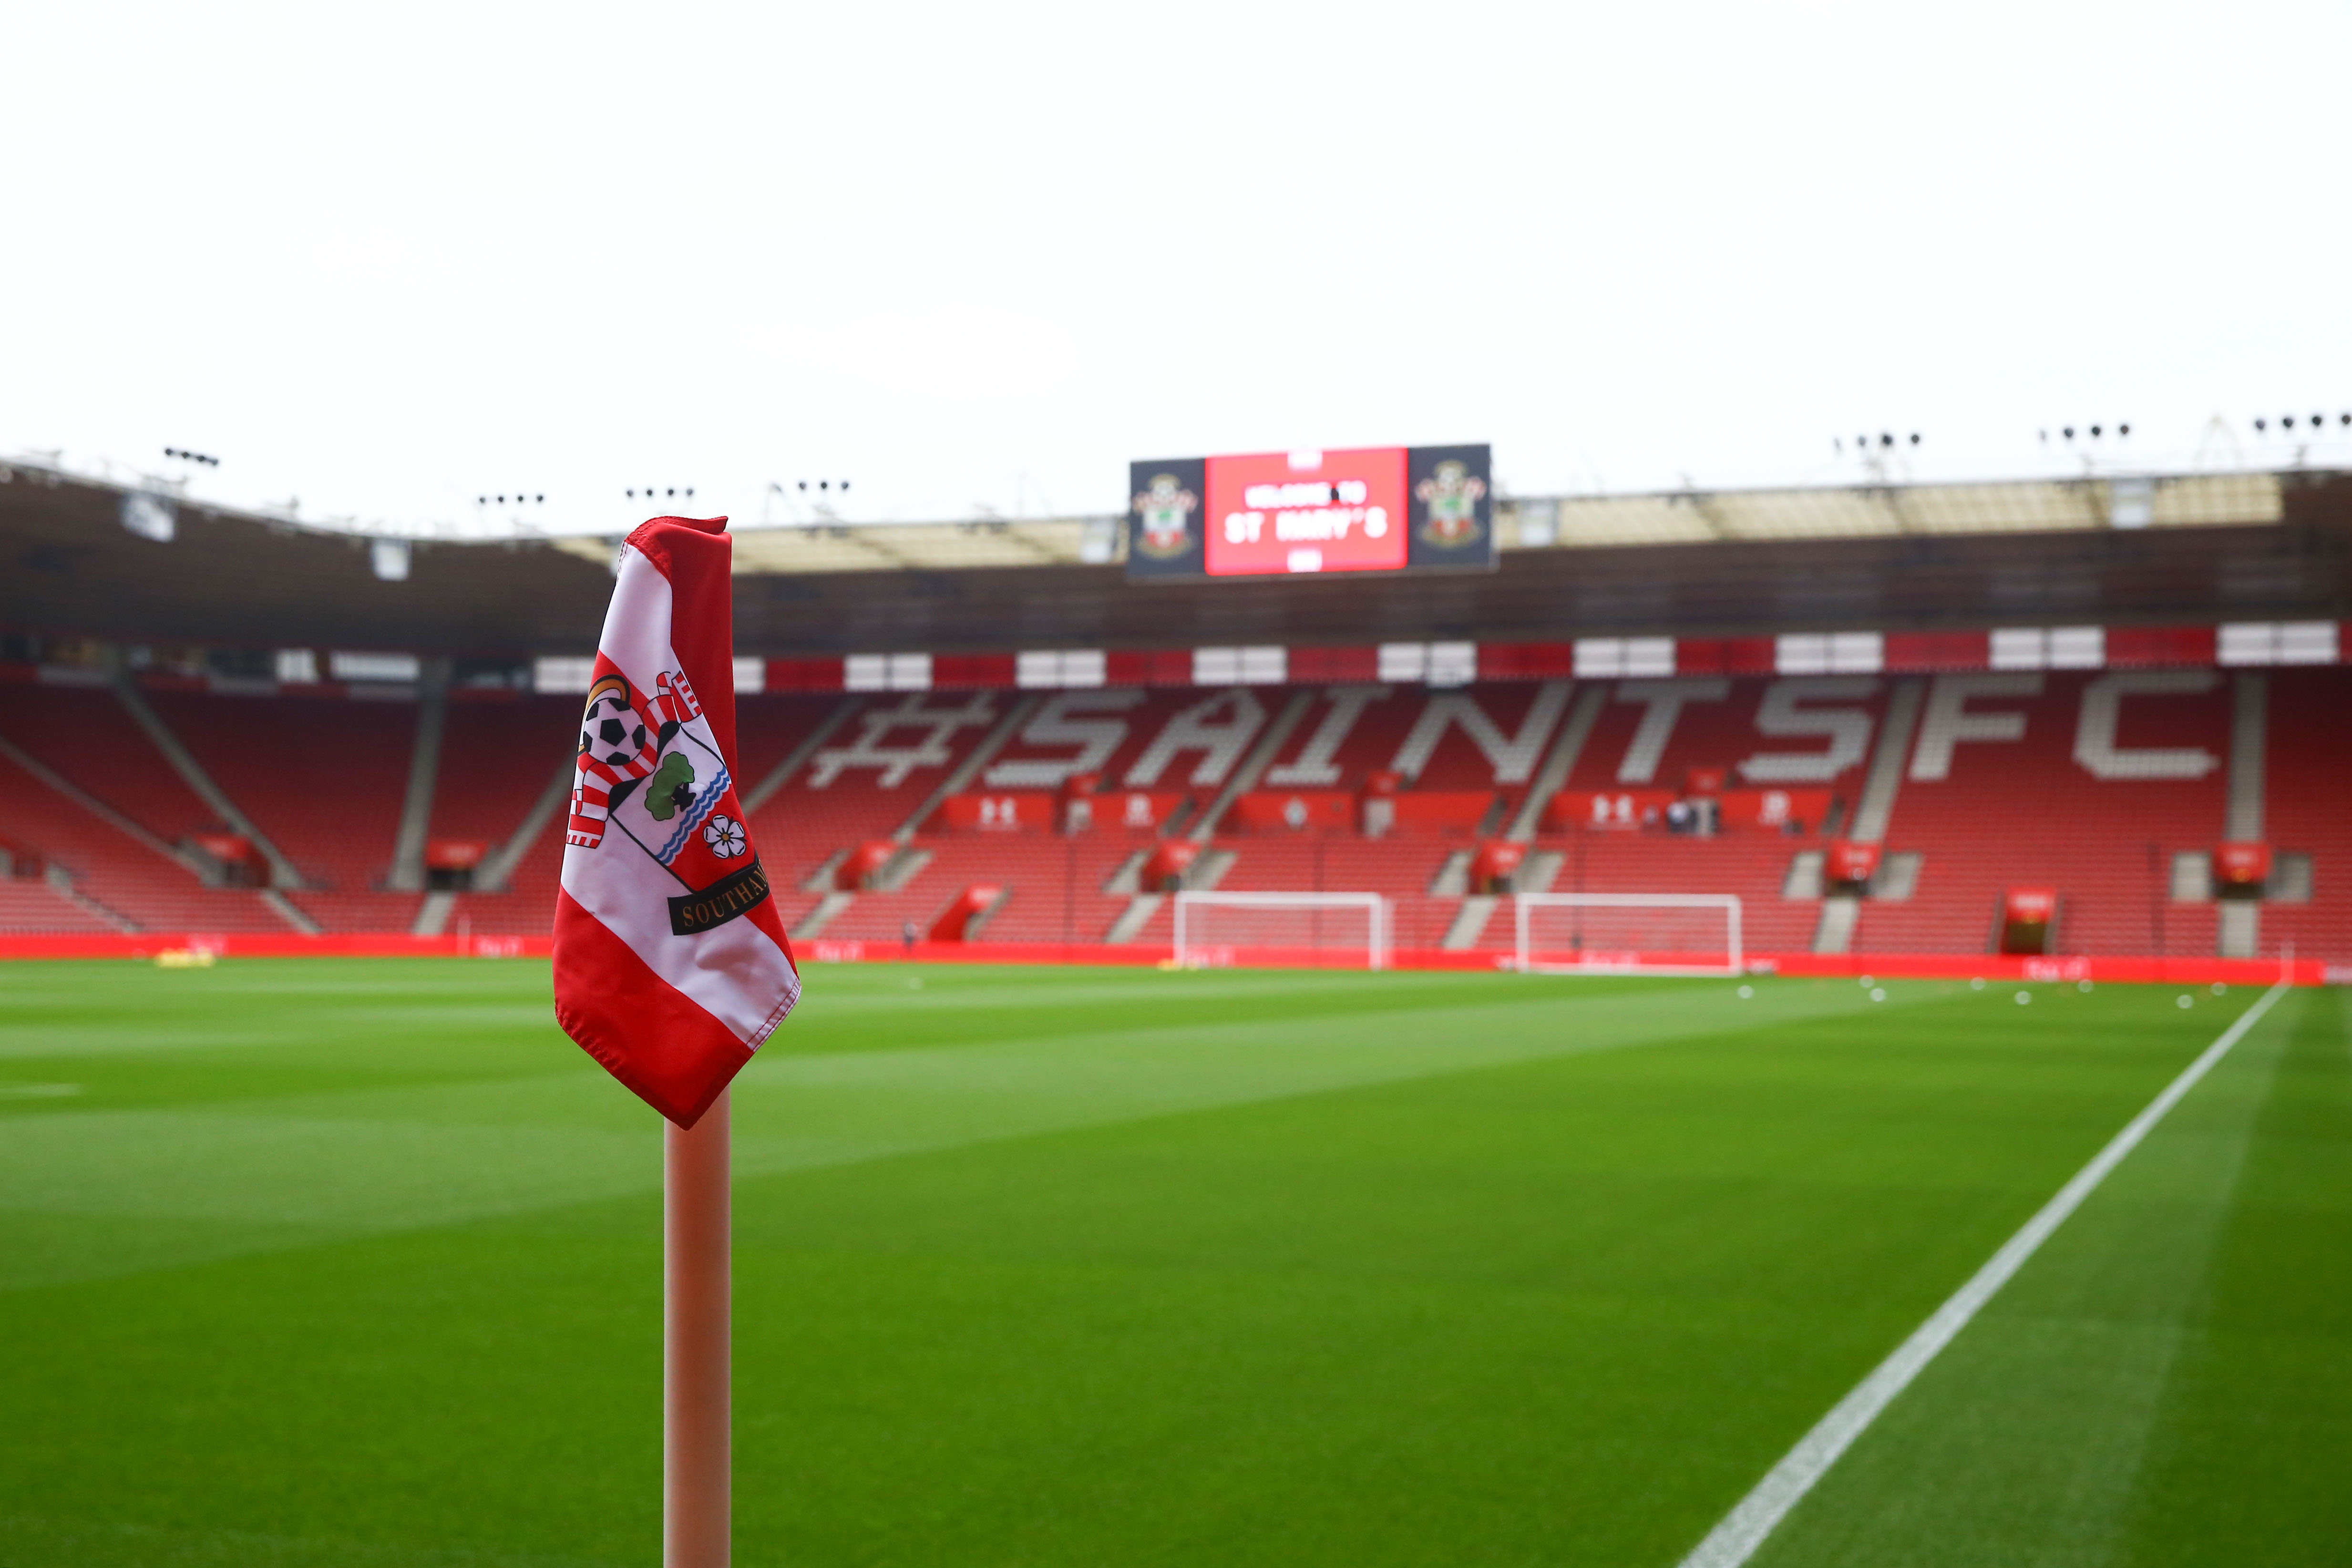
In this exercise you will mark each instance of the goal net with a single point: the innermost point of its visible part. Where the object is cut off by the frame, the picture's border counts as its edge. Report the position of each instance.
(1628, 932)
(1327, 930)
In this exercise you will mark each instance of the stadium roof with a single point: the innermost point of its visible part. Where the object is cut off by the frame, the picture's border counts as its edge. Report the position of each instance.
(2185, 549)
(1574, 522)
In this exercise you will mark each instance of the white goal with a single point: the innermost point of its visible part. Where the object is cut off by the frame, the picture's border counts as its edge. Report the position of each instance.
(1215, 930)
(1628, 932)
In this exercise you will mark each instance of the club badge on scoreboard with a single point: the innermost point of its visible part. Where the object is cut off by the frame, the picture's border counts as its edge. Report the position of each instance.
(1450, 497)
(1164, 517)
(1452, 493)
(1164, 510)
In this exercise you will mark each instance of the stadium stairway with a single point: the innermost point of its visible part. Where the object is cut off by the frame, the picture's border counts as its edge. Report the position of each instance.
(2308, 811)
(1840, 912)
(408, 845)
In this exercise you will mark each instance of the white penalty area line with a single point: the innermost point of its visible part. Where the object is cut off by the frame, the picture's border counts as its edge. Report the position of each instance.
(1743, 1529)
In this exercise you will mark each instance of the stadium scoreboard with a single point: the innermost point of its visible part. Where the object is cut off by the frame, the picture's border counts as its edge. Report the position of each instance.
(1373, 508)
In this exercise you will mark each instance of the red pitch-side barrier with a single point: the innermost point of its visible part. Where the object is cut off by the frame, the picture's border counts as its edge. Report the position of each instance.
(2172, 971)
(275, 945)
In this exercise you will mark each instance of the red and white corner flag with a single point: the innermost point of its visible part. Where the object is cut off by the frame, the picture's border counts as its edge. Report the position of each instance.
(671, 964)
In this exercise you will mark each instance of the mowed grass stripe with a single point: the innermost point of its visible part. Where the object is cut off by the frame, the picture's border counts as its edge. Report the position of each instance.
(46, 1010)
(297, 1168)
(2252, 1444)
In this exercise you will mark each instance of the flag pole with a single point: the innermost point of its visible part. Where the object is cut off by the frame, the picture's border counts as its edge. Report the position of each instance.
(695, 1349)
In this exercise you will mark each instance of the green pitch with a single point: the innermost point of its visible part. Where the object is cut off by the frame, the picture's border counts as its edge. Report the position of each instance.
(312, 1262)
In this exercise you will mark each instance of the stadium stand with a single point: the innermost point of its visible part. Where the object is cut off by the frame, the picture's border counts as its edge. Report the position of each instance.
(2101, 784)
(2000, 793)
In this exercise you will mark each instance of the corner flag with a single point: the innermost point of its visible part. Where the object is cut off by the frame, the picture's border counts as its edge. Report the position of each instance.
(671, 964)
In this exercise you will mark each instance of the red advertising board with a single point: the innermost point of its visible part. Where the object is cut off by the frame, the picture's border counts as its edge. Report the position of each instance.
(1775, 808)
(1307, 511)
(2243, 864)
(454, 854)
(1845, 860)
(1295, 811)
(2029, 906)
(999, 811)
(1607, 809)
(1132, 812)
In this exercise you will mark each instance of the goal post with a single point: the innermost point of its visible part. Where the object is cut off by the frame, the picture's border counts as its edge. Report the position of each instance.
(1218, 929)
(1627, 933)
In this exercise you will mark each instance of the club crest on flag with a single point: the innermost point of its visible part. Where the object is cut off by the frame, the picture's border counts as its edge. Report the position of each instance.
(650, 772)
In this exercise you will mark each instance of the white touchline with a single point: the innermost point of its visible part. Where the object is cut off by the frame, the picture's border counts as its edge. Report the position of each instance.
(1743, 1529)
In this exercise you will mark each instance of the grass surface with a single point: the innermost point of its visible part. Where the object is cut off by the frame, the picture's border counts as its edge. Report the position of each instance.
(317, 1262)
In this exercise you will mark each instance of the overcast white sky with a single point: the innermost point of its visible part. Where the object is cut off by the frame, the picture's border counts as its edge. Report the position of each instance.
(981, 255)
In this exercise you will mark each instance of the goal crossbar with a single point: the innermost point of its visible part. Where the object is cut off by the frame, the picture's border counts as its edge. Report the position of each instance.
(1608, 960)
(1375, 906)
